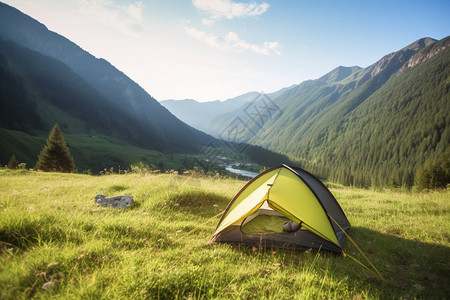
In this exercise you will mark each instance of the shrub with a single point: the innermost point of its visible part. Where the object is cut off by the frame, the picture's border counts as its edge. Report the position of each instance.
(13, 163)
(434, 174)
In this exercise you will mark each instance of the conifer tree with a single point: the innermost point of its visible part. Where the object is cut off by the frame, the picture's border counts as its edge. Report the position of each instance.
(55, 156)
(13, 163)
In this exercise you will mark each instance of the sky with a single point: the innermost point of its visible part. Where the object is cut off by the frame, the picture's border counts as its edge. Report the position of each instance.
(218, 49)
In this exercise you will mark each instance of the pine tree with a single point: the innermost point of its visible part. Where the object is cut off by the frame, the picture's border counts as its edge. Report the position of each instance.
(55, 157)
(13, 163)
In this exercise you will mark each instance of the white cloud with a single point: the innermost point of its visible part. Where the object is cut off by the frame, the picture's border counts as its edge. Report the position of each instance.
(207, 22)
(134, 10)
(218, 9)
(125, 18)
(232, 42)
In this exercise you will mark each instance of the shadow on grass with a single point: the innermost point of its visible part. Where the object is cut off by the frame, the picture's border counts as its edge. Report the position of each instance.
(411, 268)
(198, 202)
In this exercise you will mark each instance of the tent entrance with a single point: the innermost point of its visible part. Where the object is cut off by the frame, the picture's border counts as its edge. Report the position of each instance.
(264, 221)
(264, 224)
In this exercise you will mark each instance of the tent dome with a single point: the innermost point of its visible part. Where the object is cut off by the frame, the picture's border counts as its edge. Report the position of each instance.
(259, 211)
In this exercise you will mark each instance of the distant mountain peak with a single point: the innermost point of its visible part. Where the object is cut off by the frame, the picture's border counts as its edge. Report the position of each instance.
(427, 52)
(419, 44)
(394, 61)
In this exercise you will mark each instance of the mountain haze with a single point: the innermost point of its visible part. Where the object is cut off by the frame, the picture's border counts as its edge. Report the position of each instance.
(198, 114)
(212, 116)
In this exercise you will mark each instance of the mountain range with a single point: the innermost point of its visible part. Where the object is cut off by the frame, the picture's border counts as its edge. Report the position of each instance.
(370, 126)
(208, 116)
(363, 126)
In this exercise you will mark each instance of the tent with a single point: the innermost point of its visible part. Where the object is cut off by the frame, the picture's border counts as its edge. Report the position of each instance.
(284, 207)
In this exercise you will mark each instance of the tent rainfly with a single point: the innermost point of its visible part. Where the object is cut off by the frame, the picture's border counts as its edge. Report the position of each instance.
(284, 207)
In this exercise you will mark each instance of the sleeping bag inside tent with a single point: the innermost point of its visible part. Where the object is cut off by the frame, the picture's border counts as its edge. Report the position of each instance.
(284, 207)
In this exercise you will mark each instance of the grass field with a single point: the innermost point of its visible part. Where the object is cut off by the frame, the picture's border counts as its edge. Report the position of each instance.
(55, 243)
(90, 152)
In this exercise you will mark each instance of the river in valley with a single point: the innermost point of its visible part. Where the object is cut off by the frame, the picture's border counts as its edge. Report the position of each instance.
(245, 173)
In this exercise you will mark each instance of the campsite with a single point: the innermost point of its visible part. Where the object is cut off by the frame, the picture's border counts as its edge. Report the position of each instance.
(57, 243)
(224, 149)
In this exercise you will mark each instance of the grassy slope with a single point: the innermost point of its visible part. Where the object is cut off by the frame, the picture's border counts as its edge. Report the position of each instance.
(53, 236)
(89, 151)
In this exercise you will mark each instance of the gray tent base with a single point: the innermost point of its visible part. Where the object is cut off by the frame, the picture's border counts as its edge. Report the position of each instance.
(301, 239)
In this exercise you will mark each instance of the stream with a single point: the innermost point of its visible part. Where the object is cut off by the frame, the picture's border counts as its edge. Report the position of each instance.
(241, 172)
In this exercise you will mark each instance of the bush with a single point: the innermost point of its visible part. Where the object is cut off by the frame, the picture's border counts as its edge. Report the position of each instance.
(434, 174)
(13, 162)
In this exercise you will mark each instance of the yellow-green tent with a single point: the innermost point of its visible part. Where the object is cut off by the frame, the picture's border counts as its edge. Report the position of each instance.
(260, 214)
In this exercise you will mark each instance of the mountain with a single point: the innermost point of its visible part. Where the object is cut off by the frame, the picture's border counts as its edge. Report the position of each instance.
(369, 126)
(47, 79)
(161, 129)
(38, 91)
(212, 116)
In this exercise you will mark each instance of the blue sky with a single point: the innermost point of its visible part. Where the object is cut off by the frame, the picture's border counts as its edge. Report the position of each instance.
(218, 49)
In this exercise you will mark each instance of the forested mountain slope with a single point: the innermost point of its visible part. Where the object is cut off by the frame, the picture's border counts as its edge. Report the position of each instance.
(168, 132)
(38, 91)
(364, 126)
(369, 126)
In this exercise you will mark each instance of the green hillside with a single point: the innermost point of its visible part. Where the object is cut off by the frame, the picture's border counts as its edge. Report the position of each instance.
(90, 152)
(357, 129)
(25, 147)
(55, 243)
(46, 79)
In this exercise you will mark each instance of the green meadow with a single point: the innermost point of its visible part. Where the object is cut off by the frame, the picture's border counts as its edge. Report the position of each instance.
(55, 243)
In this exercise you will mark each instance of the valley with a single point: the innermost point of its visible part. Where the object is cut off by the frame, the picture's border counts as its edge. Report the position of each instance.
(335, 126)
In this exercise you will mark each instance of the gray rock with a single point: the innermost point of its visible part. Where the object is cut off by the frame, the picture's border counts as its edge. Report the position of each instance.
(114, 202)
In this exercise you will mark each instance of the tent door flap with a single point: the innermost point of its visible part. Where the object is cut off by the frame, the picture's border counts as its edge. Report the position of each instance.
(264, 224)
